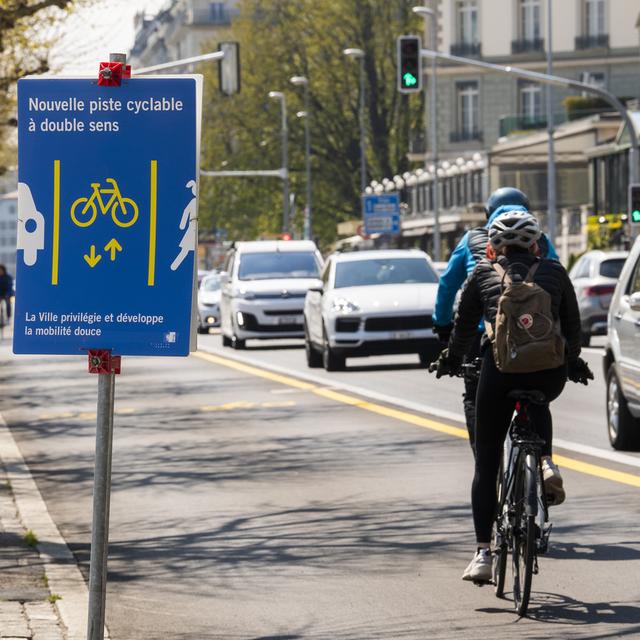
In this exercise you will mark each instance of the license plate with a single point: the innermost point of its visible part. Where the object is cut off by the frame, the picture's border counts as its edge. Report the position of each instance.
(290, 320)
(400, 335)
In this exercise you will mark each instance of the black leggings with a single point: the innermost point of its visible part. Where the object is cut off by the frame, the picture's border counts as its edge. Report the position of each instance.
(471, 391)
(493, 416)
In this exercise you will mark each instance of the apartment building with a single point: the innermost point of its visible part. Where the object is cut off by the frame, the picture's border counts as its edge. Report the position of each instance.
(594, 41)
(182, 29)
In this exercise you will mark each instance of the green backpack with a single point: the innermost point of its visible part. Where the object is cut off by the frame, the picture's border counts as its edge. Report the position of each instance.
(526, 338)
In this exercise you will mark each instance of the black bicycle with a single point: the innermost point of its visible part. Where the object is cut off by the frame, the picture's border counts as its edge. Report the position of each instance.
(522, 525)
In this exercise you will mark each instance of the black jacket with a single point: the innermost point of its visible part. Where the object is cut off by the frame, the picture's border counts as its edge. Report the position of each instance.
(483, 288)
(6, 286)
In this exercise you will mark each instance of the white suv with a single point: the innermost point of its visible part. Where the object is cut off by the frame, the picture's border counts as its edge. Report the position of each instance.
(622, 357)
(264, 286)
(372, 303)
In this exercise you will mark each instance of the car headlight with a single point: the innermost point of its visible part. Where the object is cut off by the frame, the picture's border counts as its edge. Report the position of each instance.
(342, 305)
(246, 295)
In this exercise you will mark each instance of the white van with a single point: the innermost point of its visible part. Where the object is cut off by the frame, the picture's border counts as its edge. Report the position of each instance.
(263, 289)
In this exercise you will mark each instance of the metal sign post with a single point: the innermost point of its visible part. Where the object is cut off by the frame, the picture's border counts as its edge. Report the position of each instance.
(106, 366)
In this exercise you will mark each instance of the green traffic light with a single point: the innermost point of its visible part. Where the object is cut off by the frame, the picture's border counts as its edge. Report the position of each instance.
(635, 215)
(409, 79)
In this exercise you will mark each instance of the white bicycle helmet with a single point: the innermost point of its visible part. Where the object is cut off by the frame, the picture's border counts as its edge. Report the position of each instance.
(514, 229)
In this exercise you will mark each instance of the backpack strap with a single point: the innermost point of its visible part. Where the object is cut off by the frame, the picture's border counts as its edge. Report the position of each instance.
(504, 276)
(532, 271)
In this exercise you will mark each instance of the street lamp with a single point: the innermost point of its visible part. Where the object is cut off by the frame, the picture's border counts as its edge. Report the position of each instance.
(301, 81)
(278, 95)
(431, 113)
(359, 55)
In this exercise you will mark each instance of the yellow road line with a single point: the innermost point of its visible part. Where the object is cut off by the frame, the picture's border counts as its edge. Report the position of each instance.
(255, 371)
(410, 418)
(153, 208)
(597, 470)
(56, 222)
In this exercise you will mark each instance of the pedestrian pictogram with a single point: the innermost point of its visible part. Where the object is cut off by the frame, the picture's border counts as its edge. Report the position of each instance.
(124, 211)
(107, 215)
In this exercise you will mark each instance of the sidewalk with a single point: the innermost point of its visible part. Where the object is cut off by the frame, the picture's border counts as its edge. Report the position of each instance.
(27, 608)
(43, 596)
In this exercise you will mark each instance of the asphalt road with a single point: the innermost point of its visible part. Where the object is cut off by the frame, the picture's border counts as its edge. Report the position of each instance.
(252, 505)
(579, 413)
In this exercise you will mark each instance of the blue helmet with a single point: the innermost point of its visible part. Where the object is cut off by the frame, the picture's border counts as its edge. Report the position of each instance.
(504, 196)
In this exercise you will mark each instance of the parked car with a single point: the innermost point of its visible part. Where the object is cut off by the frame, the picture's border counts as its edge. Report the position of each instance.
(263, 289)
(371, 303)
(594, 278)
(209, 303)
(622, 357)
(440, 267)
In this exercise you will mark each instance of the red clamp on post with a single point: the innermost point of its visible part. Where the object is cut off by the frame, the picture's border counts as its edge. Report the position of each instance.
(101, 362)
(110, 74)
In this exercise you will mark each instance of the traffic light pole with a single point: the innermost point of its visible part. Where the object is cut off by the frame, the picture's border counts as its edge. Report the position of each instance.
(543, 78)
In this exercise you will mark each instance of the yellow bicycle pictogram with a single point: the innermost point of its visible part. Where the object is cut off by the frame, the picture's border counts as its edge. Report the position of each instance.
(124, 211)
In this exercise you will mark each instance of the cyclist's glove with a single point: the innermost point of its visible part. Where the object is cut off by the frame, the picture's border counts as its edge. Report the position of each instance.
(443, 331)
(579, 371)
(445, 365)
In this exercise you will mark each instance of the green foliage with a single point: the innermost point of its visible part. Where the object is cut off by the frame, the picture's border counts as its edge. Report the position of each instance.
(282, 38)
(24, 49)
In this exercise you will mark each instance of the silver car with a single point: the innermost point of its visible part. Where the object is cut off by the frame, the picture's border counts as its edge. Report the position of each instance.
(622, 357)
(594, 277)
(209, 303)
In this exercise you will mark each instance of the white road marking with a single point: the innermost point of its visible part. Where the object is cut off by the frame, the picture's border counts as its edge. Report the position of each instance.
(595, 452)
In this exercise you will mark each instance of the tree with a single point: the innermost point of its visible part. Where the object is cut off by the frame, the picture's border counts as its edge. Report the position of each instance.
(23, 51)
(282, 38)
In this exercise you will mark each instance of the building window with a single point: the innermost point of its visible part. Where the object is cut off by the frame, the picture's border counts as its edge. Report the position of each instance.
(467, 107)
(467, 22)
(218, 13)
(594, 28)
(596, 79)
(530, 20)
(594, 13)
(530, 103)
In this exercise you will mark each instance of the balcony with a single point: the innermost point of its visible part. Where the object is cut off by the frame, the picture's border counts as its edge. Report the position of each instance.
(466, 135)
(592, 42)
(466, 49)
(527, 46)
(512, 124)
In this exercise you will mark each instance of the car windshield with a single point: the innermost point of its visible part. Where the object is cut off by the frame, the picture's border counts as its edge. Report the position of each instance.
(611, 268)
(278, 264)
(210, 284)
(359, 273)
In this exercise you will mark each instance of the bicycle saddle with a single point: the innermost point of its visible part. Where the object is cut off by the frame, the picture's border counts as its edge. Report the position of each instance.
(533, 396)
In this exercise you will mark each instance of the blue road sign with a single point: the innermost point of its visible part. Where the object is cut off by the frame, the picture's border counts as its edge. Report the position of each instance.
(107, 186)
(382, 214)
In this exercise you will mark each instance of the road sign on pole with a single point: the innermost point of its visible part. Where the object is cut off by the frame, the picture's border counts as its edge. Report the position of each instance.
(382, 214)
(107, 202)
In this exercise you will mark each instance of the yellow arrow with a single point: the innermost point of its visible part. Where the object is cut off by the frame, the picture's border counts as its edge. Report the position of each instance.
(92, 259)
(114, 246)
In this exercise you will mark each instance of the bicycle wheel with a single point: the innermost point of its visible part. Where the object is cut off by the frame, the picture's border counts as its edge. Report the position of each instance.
(524, 537)
(87, 214)
(498, 541)
(121, 215)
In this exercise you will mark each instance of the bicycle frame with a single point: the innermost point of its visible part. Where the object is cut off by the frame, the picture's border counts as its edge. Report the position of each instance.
(98, 193)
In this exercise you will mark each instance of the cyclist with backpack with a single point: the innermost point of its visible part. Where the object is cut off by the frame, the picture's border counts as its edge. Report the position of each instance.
(533, 342)
(468, 252)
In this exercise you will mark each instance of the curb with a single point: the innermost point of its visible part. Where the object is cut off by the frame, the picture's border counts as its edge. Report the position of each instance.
(60, 565)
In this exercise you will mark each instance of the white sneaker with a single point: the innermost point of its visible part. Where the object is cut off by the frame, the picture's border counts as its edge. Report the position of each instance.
(479, 569)
(552, 482)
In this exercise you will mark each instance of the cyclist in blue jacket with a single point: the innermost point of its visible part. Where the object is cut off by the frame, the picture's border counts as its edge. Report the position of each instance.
(468, 252)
